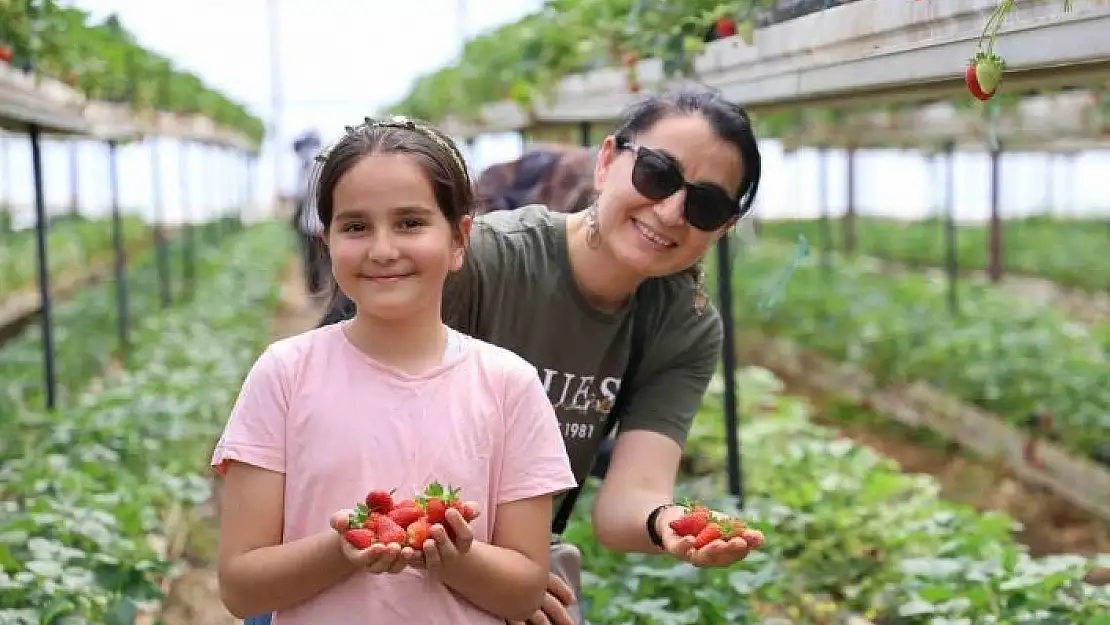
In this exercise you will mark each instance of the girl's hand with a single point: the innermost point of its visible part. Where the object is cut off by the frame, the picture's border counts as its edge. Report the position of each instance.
(439, 551)
(718, 553)
(374, 559)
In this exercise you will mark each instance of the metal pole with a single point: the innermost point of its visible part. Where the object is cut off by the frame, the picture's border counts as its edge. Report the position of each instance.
(994, 241)
(46, 317)
(728, 363)
(160, 249)
(951, 260)
(189, 236)
(6, 207)
(122, 320)
(275, 94)
(850, 210)
(823, 190)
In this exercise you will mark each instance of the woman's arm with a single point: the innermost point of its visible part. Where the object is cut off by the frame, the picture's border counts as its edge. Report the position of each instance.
(641, 476)
(508, 576)
(257, 573)
(655, 420)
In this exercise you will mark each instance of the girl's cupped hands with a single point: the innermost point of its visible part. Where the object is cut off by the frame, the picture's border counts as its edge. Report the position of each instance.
(421, 544)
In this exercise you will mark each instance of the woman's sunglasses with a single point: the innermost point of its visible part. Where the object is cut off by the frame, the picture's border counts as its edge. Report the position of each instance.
(657, 175)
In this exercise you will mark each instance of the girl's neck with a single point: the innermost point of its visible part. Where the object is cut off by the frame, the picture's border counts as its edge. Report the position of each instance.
(606, 284)
(413, 344)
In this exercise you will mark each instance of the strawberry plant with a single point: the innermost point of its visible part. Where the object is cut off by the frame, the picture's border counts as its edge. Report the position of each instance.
(524, 60)
(85, 490)
(73, 242)
(840, 521)
(1011, 356)
(85, 334)
(984, 71)
(1070, 252)
(105, 62)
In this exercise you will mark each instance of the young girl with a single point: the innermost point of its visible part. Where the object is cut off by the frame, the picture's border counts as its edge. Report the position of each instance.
(392, 398)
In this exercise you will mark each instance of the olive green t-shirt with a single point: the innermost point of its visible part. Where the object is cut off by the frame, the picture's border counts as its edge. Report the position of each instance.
(517, 291)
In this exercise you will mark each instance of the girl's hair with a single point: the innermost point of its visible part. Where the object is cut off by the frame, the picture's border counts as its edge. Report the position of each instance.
(729, 121)
(430, 148)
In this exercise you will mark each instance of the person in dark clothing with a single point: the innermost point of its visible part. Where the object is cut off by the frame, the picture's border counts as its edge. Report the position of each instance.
(557, 176)
(305, 221)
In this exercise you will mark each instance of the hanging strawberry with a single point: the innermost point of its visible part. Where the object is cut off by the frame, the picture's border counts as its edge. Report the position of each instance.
(983, 75)
(724, 27)
(6, 53)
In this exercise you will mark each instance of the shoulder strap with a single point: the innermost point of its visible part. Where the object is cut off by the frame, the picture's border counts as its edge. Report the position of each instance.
(635, 357)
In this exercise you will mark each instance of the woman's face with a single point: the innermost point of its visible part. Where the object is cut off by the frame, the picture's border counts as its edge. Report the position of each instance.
(651, 238)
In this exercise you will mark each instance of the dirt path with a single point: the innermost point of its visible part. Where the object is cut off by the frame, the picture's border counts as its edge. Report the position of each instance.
(194, 597)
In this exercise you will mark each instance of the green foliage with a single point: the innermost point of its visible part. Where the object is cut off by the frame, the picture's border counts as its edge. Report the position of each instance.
(841, 522)
(72, 243)
(527, 58)
(1071, 252)
(1008, 355)
(103, 60)
(85, 489)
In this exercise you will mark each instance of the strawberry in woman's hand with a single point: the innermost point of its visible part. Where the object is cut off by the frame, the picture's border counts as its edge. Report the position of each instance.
(405, 516)
(386, 530)
(692, 522)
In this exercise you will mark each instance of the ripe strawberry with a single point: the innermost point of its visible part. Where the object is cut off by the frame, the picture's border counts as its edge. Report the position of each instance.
(709, 534)
(417, 533)
(359, 538)
(405, 503)
(379, 501)
(691, 523)
(724, 27)
(405, 516)
(387, 530)
(435, 500)
(6, 54)
(468, 513)
(983, 74)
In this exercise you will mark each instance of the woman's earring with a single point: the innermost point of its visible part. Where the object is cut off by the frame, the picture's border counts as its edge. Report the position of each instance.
(701, 298)
(593, 228)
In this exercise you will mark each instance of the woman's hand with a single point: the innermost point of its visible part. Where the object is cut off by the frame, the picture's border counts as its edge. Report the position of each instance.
(555, 609)
(377, 558)
(439, 550)
(718, 553)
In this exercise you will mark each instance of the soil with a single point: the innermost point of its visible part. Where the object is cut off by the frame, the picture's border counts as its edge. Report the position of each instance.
(194, 597)
(1051, 525)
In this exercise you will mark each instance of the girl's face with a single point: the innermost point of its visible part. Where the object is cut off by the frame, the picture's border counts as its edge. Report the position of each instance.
(652, 238)
(391, 246)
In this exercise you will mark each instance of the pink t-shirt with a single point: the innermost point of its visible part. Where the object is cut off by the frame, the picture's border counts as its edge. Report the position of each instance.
(337, 424)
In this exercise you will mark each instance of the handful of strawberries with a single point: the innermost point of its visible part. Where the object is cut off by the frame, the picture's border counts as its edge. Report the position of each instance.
(707, 526)
(381, 520)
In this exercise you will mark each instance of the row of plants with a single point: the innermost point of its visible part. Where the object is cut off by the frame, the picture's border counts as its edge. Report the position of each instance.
(1071, 252)
(73, 243)
(85, 336)
(841, 523)
(103, 60)
(121, 457)
(523, 61)
(1011, 356)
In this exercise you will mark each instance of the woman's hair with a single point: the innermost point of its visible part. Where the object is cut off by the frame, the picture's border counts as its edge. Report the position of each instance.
(729, 121)
(430, 148)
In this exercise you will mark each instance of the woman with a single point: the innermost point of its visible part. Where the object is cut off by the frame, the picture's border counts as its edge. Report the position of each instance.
(564, 292)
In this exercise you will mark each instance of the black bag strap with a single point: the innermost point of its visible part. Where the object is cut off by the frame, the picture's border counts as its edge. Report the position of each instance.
(635, 357)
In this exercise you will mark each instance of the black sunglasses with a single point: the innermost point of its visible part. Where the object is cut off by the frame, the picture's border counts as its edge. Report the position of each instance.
(657, 175)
